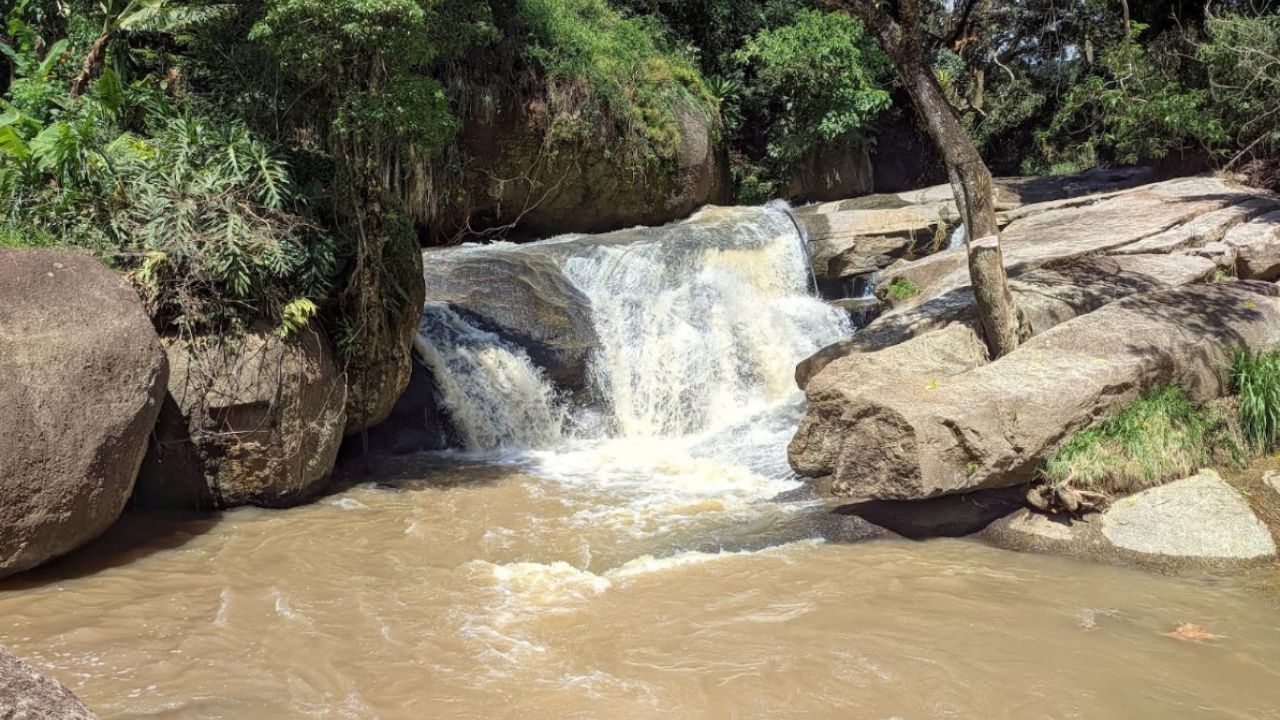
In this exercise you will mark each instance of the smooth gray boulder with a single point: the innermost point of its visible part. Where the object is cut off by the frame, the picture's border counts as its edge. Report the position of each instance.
(1195, 522)
(28, 694)
(82, 375)
(252, 420)
(1257, 247)
(1199, 517)
(991, 426)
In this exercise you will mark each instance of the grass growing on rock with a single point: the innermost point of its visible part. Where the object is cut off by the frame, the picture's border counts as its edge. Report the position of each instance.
(902, 289)
(1255, 379)
(1161, 437)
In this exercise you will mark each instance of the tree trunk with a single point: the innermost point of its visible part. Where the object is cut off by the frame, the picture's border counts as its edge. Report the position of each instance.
(975, 198)
(92, 63)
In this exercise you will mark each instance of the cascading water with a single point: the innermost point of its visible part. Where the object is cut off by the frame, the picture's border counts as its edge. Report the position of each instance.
(498, 399)
(699, 326)
(676, 440)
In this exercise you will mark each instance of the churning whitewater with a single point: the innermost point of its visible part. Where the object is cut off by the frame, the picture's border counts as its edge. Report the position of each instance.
(699, 325)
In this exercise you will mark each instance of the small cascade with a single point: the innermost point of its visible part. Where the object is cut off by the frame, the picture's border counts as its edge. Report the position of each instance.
(958, 237)
(498, 399)
(700, 326)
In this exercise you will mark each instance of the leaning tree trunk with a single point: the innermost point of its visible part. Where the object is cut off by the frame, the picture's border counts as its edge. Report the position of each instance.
(900, 35)
(975, 198)
(92, 63)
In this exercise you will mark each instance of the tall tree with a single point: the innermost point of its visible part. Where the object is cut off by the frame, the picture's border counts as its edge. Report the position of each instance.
(899, 27)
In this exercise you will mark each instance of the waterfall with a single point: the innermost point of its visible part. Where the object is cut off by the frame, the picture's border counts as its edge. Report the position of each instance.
(958, 237)
(497, 398)
(699, 325)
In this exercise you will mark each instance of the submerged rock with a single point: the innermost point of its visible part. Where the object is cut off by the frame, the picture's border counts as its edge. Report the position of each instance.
(82, 375)
(1196, 521)
(991, 426)
(253, 420)
(28, 694)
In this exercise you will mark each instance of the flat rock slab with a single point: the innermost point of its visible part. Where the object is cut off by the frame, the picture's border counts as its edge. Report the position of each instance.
(991, 426)
(1196, 522)
(1072, 232)
(1200, 517)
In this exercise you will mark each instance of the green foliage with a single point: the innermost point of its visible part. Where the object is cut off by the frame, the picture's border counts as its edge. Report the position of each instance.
(1255, 379)
(370, 59)
(613, 82)
(1161, 437)
(198, 211)
(902, 289)
(822, 80)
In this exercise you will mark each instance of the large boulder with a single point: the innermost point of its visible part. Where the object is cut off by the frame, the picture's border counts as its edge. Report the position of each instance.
(82, 375)
(249, 420)
(521, 296)
(1197, 521)
(991, 426)
(28, 694)
(517, 179)
(830, 173)
(1257, 247)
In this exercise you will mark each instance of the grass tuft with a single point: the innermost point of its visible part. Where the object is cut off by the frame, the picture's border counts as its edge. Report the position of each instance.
(1255, 379)
(1161, 437)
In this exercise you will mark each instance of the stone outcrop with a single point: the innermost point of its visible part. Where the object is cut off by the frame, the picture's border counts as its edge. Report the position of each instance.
(522, 297)
(1197, 521)
(82, 375)
(865, 234)
(1106, 225)
(515, 179)
(1256, 247)
(990, 426)
(901, 342)
(28, 694)
(831, 173)
(252, 420)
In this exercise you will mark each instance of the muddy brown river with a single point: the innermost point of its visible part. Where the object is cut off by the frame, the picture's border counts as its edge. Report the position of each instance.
(458, 590)
(622, 552)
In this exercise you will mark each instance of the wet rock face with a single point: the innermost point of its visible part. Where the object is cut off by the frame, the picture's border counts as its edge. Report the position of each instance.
(1196, 521)
(254, 420)
(521, 297)
(515, 181)
(82, 375)
(27, 694)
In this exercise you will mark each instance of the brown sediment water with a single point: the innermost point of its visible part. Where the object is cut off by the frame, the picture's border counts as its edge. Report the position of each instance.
(462, 590)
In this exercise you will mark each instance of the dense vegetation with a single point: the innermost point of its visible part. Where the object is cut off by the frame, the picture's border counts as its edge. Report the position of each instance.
(281, 160)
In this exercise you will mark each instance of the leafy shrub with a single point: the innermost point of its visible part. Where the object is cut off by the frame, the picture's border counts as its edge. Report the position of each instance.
(902, 289)
(612, 81)
(199, 212)
(819, 82)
